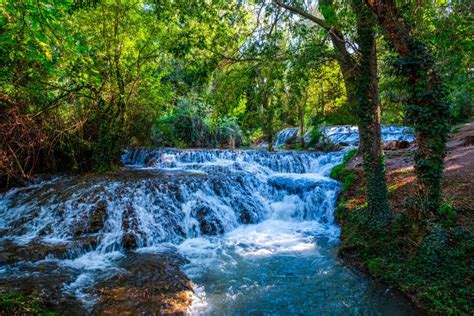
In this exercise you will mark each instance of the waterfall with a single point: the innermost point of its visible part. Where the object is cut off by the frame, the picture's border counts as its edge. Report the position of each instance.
(205, 204)
(348, 134)
(284, 135)
(170, 195)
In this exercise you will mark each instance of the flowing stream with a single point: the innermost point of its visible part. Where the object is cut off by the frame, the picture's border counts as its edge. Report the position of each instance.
(257, 230)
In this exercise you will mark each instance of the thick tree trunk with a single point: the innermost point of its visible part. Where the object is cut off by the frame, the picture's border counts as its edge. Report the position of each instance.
(426, 110)
(368, 114)
(360, 78)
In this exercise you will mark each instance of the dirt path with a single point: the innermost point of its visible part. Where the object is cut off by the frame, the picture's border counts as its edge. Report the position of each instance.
(458, 182)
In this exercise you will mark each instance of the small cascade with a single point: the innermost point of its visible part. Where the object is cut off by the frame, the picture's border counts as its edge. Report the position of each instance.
(350, 134)
(347, 134)
(284, 135)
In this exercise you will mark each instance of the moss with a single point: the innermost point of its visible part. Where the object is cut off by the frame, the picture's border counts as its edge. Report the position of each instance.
(447, 214)
(336, 171)
(348, 181)
(15, 303)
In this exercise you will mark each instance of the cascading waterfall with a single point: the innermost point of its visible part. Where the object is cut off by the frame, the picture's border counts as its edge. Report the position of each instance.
(348, 134)
(251, 224)
(284, 135)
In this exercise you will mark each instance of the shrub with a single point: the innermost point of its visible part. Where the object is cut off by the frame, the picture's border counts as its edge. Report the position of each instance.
(187, 126)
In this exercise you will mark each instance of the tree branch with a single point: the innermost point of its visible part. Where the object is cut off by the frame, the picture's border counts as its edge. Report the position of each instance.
(305, 14)
(336, 37)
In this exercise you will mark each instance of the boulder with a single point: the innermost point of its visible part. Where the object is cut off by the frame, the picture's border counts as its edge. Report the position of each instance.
(151, 284)
(130, 228)
(396, 145)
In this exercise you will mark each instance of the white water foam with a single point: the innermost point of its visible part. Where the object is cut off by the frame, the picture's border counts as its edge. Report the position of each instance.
(225, 211)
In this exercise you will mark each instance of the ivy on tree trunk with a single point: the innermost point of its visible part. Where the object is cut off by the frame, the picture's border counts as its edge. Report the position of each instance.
(367, 107)
(360, 78)
(426, 108)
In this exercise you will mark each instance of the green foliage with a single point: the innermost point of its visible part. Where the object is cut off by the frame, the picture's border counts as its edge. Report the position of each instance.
(432, 263)
(315, 135)
(14, 303)
(337, 170)
(188, 126)
(348, 181)
(98, 75)
(447, 214)
(375, 265)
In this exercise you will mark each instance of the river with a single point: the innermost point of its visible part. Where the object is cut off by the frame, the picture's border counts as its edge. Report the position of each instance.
(256, 229)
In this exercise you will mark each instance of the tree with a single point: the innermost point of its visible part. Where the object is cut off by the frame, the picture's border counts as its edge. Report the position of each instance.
(360, 76)
(426, 110)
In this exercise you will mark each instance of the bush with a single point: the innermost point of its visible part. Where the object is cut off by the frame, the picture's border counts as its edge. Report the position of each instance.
(228, 134)
(187, 126)
(23, 143)
(448, 214)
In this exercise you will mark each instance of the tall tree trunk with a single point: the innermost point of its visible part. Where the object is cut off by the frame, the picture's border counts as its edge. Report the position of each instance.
(368, 115)
(360, 78)
(427, 110)
(268, 121)
(301, 113)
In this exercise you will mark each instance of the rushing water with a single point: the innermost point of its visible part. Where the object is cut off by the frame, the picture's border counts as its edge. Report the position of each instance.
(257, 228)
(347, 134)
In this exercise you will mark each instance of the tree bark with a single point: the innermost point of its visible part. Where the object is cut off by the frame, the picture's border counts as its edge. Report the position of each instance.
(360, 78)
(267, 119)
(426, 110)
(301, 112)
(368, 113)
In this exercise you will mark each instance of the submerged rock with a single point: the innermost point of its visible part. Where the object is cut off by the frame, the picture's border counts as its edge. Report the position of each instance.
(209, 222)
(150, 284)
(43, 283)
(36, 250)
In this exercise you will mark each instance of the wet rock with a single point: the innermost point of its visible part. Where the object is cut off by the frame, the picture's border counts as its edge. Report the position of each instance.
(247, 216)
(130, 228)
(249, 213)
(95, 220)
(300, 186)
(209, 222)
(98, 217)
(149, 161)
(43, 283)
(325, 145)
(35, 250)
(151, 284)
(129, 241)
(396, 145)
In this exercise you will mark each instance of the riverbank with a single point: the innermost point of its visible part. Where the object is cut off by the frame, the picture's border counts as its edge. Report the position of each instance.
(432, 264)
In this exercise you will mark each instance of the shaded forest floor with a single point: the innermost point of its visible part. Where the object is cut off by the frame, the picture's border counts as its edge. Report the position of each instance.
(432, 263)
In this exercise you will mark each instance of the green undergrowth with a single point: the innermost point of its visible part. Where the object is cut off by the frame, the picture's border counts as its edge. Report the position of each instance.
(15, 303)
(346, 176)
(432, 262)
(338, 170)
